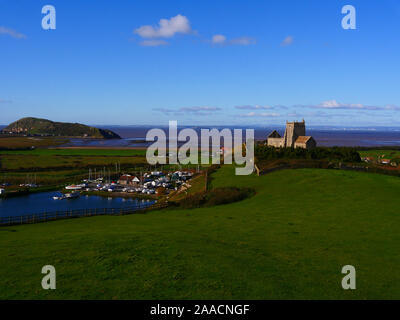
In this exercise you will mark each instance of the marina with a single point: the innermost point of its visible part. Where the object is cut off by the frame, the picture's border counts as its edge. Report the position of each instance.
(36, 203)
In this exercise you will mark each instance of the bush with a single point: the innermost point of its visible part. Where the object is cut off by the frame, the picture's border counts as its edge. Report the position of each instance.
(227, 195)
(216, 197)
(196, 200)
(343, 154)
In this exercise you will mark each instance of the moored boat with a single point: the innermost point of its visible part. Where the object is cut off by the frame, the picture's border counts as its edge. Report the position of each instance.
(73, 187)
(59, 196)
(72, 195)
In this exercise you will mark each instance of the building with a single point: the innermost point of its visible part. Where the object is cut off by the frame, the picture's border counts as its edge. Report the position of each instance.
(305, 142)
(294, 137)
(127, 179)
(2, 191)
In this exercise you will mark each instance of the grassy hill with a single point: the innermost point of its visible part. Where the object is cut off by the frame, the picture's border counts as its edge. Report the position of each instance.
(35, 126)
(289, 241)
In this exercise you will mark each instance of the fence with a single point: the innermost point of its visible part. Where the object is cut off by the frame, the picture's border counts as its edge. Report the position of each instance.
(57, 215)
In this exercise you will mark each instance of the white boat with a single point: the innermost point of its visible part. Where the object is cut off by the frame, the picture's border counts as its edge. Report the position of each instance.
(73, 187)
(59, 197)
(72, 195)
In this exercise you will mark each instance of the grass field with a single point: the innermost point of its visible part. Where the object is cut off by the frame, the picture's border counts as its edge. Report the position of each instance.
(77, 152)
(27, 142)
(69, 165)
(58, 166)
(289, 241)
(68, 158)
(36, 162)
(387, 154)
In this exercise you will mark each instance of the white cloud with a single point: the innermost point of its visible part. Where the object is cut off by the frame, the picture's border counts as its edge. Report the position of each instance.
(243, 41)
(197, 109)
(263, 114)
(330, 104)
(256, 107)
(153, 43)
(12, 33)
(200, 111)
(166, 28)
(220, 39)
(392, 107)
(287, 41)
(333, 104)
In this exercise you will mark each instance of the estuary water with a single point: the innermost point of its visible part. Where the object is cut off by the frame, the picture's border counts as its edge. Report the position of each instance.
(327, 137)
(135, 136)
(44, 202)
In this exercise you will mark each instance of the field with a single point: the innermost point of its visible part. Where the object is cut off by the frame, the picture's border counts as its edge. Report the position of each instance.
(77, 152)
(71, 165)
(386, 154)
(289, 241)
(58, 166)
(28, 142)
(68, 158)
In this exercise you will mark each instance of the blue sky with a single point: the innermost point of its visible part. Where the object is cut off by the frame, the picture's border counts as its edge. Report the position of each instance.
(210, 62)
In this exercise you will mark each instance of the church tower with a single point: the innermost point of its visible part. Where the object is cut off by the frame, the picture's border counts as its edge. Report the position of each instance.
(293, 131)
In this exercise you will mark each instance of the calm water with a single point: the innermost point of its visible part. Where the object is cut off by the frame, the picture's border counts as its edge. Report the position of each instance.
(43, 202)
(134, 136)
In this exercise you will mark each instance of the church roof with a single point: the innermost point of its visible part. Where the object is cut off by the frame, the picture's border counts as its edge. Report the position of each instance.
(274, 134)
(303, 139)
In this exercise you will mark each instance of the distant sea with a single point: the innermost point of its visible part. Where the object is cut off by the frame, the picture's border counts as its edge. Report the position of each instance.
(133, 136)
(363, 137)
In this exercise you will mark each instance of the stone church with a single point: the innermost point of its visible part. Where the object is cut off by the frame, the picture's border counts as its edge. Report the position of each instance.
(295, 137)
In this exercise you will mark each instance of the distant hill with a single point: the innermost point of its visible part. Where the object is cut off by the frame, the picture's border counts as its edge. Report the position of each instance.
(44, 127)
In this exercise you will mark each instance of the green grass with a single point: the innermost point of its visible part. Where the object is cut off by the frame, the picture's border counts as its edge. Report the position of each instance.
(34, 162)
(28, 142)
(78, 152)
(64, 165)
(289, 241)
(387, 154)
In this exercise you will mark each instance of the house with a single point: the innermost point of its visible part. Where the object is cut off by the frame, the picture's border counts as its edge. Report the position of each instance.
(2, 191)
(295, 137)
(274, 139)
(385, 161)
(127, 179)
(305, 142)
(367, 159)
